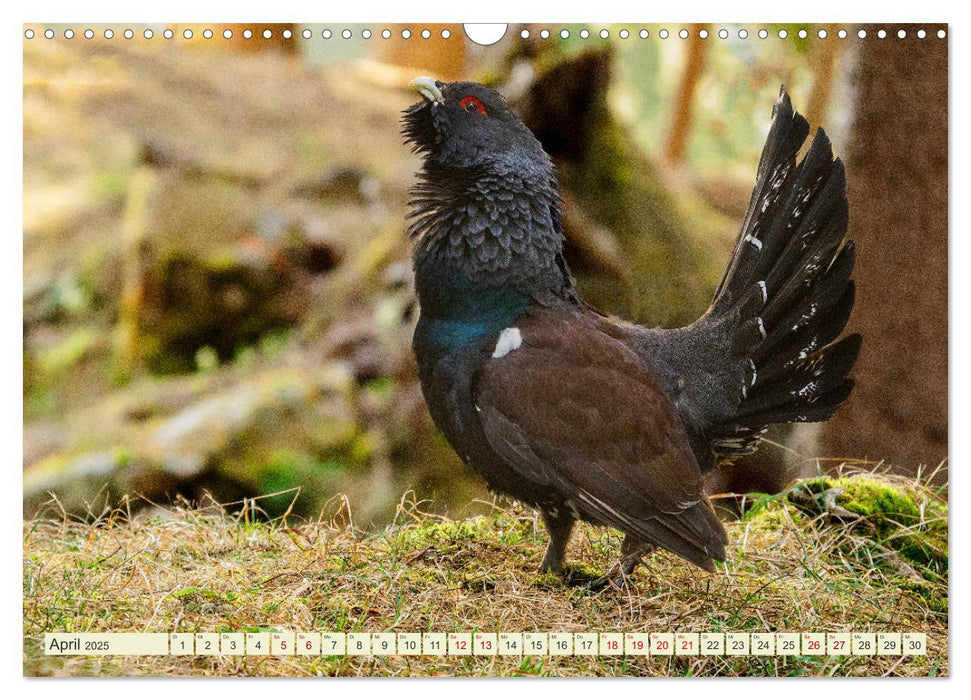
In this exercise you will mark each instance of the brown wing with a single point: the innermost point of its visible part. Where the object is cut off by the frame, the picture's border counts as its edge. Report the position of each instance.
(574, 409)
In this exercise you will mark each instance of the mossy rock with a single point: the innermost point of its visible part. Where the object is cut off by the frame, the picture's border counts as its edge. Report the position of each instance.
(903, 518)
(224, 301)
(268, 432)
(884, 504)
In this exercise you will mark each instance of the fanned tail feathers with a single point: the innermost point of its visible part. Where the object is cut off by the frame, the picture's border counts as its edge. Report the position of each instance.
(788, 290)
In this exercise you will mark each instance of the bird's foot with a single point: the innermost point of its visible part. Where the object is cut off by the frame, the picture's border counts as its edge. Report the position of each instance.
(555, 568)
(615, 578)
(620, 574)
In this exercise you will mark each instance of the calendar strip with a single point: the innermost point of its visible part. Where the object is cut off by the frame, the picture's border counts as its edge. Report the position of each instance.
(653, 644)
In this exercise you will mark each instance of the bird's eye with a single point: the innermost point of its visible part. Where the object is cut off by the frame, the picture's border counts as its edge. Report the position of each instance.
(472, 104)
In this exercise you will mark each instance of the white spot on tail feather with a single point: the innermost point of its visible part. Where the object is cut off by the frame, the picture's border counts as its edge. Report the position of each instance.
(754, 241)
(509, 340)
(765, 292)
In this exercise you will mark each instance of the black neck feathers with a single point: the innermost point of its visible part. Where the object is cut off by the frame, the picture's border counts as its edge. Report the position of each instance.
(496, 229)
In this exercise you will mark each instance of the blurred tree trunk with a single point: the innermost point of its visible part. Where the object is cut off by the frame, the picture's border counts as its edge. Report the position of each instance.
(257, 42)
(684, 108)
(824, 63)
(445, 59)
(127, 360)
(897, 180)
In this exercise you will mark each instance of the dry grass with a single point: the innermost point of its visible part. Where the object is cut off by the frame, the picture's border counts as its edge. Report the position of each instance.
(792, 566)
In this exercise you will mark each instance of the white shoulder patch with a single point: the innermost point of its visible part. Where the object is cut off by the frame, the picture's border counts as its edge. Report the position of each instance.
(509, 340)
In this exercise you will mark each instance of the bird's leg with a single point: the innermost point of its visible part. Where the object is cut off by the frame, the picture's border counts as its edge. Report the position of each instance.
(559, 524)
(632, 550)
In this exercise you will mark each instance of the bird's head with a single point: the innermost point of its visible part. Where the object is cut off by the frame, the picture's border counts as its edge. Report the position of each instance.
(466, 126)
(486, 205)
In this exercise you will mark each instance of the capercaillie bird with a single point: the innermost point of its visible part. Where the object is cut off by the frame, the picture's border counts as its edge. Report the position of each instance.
(586, 417)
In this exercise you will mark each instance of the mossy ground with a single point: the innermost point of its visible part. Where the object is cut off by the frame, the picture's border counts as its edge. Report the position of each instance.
(791, 567)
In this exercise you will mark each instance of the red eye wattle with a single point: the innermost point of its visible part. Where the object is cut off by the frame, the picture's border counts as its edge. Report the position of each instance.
(472, 104)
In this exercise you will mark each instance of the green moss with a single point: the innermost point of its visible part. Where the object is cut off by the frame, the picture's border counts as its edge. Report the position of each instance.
(768, 511)
(581, 571)
(450, 531)
(287, 470)
(935, 597)
(361, 448)
(93, 467)
(380, 387)
(893, 514)
(109, 185)
(547, 581)
(874, 499)
(70, 351)
(449, 536)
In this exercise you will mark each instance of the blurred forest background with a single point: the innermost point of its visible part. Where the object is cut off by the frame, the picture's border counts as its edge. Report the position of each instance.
(217, 286)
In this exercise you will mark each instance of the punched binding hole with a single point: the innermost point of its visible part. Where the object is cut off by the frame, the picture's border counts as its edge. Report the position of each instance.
(486, 34)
